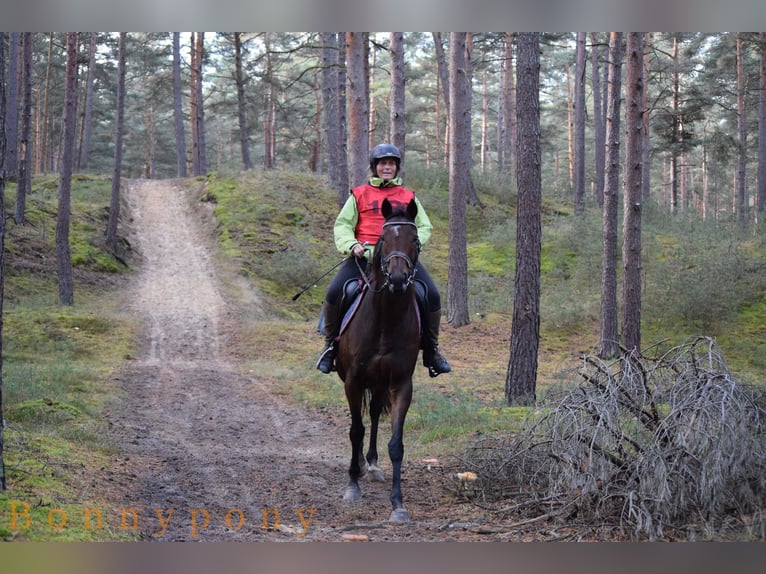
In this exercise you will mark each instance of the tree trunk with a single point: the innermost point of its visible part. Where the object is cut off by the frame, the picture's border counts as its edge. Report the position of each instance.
(520, 382)
(762, 127)
(269, 107)
(193, 79)
(398, 82)
(332, 103)
(459, 179)
(43, 148)
(599, 128)
(676, 131)
(631, 243)
(63, 255)
(3, 157)
(506, 110)
(200, 119)
(609, 326)
(579, 126)
(741, 136)
(441, 64)
(12, 109)
(646, 150)
(87, 118)
(358, 106)
(178, 115)
(241, 104)
(24, 186)
(114, 203)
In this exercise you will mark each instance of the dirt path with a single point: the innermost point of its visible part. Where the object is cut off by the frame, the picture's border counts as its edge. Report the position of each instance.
(216, 455)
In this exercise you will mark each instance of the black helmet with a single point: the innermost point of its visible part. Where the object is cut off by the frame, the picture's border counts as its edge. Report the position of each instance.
(384, 150)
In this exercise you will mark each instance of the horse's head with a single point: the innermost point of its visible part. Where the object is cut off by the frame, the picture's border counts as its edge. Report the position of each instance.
(398, 248)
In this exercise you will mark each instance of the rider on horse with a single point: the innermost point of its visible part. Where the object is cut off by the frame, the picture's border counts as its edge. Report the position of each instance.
(357, 229)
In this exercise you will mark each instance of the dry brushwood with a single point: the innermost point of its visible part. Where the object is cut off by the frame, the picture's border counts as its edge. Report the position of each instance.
(651, 444)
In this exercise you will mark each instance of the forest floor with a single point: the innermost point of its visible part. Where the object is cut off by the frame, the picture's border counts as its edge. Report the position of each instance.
(207, 451)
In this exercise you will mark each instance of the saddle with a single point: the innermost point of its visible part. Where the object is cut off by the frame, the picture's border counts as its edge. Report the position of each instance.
(354, 291)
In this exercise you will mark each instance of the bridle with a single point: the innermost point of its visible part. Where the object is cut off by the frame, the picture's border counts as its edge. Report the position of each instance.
(384, 261)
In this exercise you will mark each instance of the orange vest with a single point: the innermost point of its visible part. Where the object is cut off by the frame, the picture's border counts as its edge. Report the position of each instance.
(368, 203)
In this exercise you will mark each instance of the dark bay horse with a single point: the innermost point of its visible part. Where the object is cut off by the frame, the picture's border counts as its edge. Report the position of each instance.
(378, 351)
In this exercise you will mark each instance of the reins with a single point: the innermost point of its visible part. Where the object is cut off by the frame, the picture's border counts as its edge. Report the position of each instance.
(411, 265)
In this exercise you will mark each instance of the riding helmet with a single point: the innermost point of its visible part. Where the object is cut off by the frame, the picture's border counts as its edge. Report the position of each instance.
(384, 150)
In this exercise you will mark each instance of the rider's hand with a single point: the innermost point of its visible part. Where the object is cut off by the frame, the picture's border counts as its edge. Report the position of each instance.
(358, 250)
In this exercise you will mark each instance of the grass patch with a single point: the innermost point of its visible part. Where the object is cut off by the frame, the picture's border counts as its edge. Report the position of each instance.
(57, 362)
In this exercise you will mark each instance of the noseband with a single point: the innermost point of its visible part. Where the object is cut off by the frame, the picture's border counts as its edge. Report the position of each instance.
(401, 255)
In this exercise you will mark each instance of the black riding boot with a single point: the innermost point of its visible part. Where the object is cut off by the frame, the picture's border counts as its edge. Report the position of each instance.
(432, 358)
(326, 362)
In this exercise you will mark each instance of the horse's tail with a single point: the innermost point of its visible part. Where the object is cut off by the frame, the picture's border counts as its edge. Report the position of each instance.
(383, 397)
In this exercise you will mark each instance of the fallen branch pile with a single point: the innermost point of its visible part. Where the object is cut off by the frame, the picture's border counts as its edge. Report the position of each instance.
(650, 446)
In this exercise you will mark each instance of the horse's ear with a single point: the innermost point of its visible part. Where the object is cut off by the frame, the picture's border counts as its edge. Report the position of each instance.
(386, 209)
(412, 209)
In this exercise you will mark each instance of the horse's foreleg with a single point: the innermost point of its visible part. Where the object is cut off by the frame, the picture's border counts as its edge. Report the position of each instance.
(356, 434)
(374, 473)
(400, 402)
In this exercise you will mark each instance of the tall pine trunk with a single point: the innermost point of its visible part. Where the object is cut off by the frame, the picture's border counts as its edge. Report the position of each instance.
(599, 129)
(178, 116)
(63, 252)
(114, 203)
(3, 156)
(239, 78)
(520, 382)
(762, 127)
(632, 208)
(24, 185)
(358, 106)
(609, 325)
(459, 180)
(741, 135)
(579, 126)
(87, 116)
(398, 79)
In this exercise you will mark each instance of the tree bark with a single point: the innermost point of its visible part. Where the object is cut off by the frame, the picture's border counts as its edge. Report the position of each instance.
(63, 254)
(332, 103)
(609, 324)
(12, 109)
(87, 116)
(631, 243)
(178, 115)
(506, 110)
(579, 126)
(741, 135)
(200, 111)
(3, 157)
(24, 186)
(358, 106)
(114, 203)
(241, 104)
(599, 129)
(443, 70)
(459, 179)
(398, 82)
(762, 126)
(520, 382)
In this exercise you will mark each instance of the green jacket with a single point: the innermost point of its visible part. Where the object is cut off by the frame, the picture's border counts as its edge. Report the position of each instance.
(345, 227)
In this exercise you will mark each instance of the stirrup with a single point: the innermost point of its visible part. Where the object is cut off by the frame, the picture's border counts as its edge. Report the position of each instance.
(326, 362)
(437, 365)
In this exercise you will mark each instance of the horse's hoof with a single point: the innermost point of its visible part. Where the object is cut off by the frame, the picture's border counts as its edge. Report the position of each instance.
(375, 474)
(399, 516)
(352, 493)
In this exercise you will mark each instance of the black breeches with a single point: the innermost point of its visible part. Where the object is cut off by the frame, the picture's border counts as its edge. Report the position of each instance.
(349, 270)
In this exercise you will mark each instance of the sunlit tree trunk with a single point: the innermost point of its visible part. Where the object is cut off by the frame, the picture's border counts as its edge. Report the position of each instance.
(521, 378)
